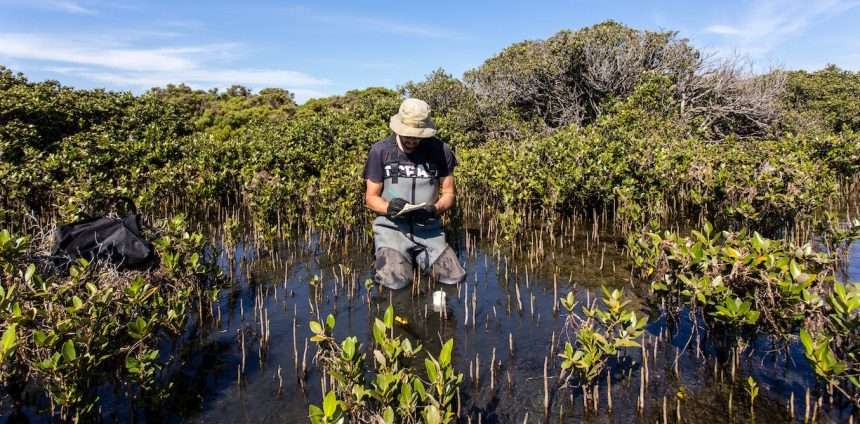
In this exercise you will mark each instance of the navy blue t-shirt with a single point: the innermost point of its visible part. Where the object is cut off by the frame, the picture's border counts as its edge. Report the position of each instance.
(431, 153)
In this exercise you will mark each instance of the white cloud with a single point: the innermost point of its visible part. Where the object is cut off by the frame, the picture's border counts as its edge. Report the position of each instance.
(303, 94)
(364, 23)
(63, 6)
(187, 24)
(123, 66)
(423, 31)
(850, 61)
(65, 69)
(723, 30)
(69, 6)
(207, 77)
(40, 47)
(769, 23)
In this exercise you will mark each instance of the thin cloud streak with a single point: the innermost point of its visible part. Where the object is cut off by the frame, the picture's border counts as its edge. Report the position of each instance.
(422, 31)
(210, 77)
(295, 82)
(769, 23)
(126, 67)
(303, 86)
(724, 30)
(363, 23)
(70, 7)
(62, 6)
(40, 47)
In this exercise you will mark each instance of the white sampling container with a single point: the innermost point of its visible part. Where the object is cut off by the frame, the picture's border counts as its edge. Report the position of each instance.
(439, 300)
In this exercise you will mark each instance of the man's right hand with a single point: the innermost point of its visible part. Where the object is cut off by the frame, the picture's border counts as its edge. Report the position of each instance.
(395, 205)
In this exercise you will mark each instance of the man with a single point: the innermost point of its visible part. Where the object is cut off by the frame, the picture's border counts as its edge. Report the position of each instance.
(411, 167)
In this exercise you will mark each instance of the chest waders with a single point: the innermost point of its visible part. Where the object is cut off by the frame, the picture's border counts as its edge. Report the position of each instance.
(422, 239)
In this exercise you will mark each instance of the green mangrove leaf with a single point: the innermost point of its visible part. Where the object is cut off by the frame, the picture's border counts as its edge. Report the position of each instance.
(316, 327)
(132, 365)
(795, 270)
(77, 303)
(40, 338)
(7, 342)
(759, 242)
(806, 340)
(731, 252)
(430, 365)
(445, 353)
(380, 358)
(388, 415)
(432, 415)
(626, 343)
(137, 328)
(315, 414)
(330, 404)
(28, 275)
(348, 347)
(752, 316)
(419, 388)
(69, 353)
(389, 317)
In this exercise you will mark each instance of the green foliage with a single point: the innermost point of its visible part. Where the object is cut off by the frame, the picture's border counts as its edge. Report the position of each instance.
(177, 145)
(834, 349)
(638, 163)
(12, 249)
(396, 390)
(829, 97)
(630, 139)
(227, 113)
(569, 302)
(736, 311)
(330, 413)
(844, 302)
(181, 251)
(752, 390)
(455, 106)
(70, 334)
(818, 352)
(836, 235)
(743, 280)
(221, 115)
(36, 116)
(603, 117)
(734, 276)
(602, 334)
(566, 78)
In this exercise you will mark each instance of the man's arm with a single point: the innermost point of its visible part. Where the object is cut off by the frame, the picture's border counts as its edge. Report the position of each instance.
(447, 199)
(373, 198)
(374, 201)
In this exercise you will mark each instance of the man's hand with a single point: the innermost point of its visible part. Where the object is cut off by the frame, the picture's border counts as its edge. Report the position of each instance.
(395, 205)
(423, 213)
(426, 212)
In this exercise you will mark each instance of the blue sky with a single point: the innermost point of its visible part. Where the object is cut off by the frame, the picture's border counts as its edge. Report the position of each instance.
(323, 48)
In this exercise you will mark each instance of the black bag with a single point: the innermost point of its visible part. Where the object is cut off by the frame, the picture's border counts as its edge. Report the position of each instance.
(116, 240)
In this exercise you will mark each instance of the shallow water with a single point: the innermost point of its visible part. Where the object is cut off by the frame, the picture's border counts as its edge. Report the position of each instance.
(690, 371)
(518, 386)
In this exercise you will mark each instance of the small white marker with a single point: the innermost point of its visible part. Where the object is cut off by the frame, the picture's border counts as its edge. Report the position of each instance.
(438, 300)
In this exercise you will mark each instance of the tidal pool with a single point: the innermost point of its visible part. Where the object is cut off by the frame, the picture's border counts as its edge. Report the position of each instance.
(226, 374)
(689, 376)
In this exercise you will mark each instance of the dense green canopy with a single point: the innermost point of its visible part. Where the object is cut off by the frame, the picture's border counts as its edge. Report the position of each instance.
(603, 116)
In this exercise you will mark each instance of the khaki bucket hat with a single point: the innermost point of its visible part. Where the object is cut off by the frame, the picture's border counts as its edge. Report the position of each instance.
(413, 120)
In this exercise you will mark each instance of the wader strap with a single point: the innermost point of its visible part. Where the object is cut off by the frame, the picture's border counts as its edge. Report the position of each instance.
(394, 169)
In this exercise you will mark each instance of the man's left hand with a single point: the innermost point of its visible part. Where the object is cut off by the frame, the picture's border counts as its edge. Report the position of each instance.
(426, 212)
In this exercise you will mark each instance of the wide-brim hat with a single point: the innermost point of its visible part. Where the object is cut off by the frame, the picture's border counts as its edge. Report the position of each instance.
(413, 120)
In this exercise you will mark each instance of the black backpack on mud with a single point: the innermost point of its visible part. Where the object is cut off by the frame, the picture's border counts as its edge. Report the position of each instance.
(117, 240)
